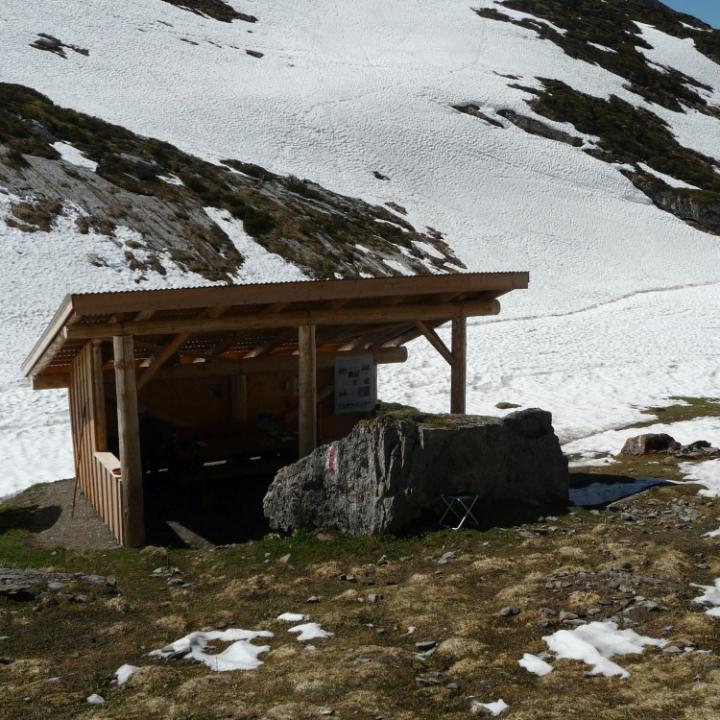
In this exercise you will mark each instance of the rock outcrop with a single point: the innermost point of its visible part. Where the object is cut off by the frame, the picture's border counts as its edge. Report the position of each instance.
(388, 474)
(663, 444)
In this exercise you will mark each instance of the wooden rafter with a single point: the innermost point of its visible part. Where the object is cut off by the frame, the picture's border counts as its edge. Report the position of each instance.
(171, 348)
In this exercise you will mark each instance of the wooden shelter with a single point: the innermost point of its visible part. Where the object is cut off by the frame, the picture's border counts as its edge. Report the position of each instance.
(249, 369)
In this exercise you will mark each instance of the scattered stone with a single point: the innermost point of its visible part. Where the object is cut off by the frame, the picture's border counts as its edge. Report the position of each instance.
(425, 645)
(255, 53)
(28, 585)
(672, 650)
(379, 175)
(509, 612)
(95, 699)
(429, 680)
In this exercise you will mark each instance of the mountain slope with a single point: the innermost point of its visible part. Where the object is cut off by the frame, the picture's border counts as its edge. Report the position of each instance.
(510, 127)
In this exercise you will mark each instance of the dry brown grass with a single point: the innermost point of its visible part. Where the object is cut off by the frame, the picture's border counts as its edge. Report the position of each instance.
(369, 667)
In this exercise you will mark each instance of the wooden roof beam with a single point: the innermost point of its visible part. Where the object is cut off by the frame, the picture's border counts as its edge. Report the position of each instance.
(372, 315)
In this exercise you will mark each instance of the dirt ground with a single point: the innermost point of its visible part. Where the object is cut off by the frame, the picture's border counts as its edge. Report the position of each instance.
(56, 516)
(479, 600)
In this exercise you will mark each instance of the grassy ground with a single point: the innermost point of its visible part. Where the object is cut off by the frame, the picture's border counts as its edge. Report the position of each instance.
(54, 656)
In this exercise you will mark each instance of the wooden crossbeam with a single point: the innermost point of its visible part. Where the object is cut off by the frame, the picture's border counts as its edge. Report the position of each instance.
(435, 340)
(373, 315)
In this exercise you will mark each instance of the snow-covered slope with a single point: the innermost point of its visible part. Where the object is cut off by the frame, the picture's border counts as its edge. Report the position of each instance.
(344, 92)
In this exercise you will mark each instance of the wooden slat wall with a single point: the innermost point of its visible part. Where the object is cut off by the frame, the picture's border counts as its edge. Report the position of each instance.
(95, 476)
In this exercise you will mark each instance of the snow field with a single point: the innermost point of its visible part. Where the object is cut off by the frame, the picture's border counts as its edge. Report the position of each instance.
(345, 90)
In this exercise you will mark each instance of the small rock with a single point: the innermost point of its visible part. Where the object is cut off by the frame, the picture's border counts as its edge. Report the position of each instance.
(95, 699)
(672, 650)
(509, 612)
(425, 645)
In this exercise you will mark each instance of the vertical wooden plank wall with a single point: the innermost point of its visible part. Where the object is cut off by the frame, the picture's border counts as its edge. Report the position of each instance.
(97, 481)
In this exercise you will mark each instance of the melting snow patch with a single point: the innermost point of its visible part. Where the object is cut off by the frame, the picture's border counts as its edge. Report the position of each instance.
(596, 642)
(604, 48)
(535, 665)
(667, 179)
(291, 617)
(96, 699)
(710, 596)
(71, 154)
(310, 631)
(240, 655)
(171, 179)
(260, 265)
(124, 673)
(493, 708)
(706, 473)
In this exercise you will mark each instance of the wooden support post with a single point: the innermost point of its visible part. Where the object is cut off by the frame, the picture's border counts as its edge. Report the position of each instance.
(238, 398)
(98, 397)
(129, 435)
(458, 367)
(307, 390)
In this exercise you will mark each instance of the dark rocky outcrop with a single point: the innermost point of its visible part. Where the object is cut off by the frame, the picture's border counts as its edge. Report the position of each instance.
(388, 475)
(694, 206)
(664, 444)
(536, 127)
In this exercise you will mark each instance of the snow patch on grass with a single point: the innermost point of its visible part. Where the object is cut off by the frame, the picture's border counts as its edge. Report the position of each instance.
(671, 181)
(597, 642)
(492, 708)
(310, 631)
(706, 473)
(71, 154)
(124, 673)
(260, 265)
(241, 654)
(535, 665)
(711, 597)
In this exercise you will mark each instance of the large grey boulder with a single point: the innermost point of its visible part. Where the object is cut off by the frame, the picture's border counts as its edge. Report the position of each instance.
(388, 474)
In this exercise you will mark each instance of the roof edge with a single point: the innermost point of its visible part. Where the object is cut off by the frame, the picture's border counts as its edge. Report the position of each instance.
(61, 316)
